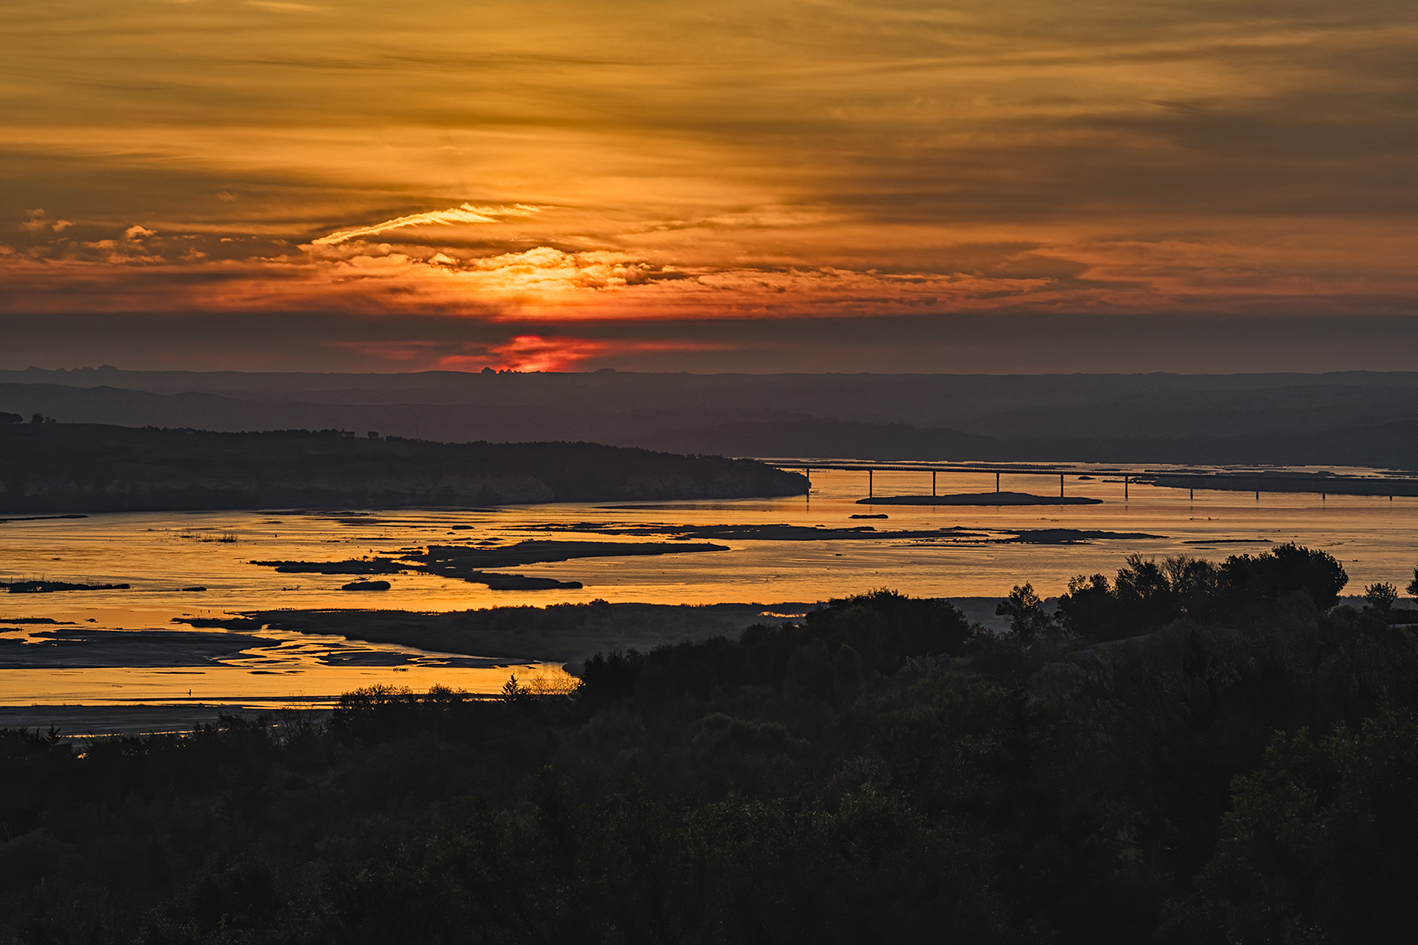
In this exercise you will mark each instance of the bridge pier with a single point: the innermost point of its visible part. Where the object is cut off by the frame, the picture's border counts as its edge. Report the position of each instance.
(870, 494)
(932, 483)
(1061, 485)
(1125, 488)
(996, 482)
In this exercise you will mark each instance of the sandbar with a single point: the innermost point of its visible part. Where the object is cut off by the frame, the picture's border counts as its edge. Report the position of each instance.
(981, 498)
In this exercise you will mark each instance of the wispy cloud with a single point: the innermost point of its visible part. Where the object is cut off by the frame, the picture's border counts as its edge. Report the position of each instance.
(286, 6)
(465, 214)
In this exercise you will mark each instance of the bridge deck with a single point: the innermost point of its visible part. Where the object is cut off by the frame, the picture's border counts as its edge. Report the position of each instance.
(1257, 481)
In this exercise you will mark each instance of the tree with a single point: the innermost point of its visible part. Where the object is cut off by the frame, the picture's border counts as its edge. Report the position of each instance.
(1381, 596)
(513, 691)
(1287, 568)
(1321, 844)
(1027, 620)
(1412, 587)
(1089, 608)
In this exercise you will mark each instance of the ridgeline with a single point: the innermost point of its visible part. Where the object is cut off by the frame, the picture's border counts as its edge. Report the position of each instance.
(52, 467)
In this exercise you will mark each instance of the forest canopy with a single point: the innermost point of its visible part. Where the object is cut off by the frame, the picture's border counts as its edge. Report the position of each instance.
(1186, 751)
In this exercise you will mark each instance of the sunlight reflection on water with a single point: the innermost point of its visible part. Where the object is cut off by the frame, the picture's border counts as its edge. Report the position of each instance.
(160, 553)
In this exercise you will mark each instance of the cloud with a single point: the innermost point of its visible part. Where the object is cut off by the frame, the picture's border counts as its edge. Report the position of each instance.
(542, 277)
(137, 232)
(286, 6)
(548, 269)
(764, 159)
(35, 222)
(466, 214)
(1052, 342)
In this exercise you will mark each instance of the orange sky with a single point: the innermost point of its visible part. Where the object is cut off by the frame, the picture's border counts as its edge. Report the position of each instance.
(547, 165)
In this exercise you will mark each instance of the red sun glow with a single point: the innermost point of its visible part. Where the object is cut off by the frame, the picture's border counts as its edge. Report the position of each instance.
(530, 353)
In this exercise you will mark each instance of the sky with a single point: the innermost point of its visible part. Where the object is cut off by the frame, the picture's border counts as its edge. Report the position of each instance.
(766, 185)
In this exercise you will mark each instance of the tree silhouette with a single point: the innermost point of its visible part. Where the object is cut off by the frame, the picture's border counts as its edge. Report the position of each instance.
(1027, 620)
(1381, 596)
(512, 691)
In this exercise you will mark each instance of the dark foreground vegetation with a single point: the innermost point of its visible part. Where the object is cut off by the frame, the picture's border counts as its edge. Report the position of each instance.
(1187, 752)
(66, 467)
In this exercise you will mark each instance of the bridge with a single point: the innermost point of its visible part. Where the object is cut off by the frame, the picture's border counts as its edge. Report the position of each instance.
(1322, 484)
(1028, 469)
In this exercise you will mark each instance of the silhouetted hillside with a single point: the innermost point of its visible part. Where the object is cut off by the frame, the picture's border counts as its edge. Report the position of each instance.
(812, 437)
(88, 467)
(1330, 419)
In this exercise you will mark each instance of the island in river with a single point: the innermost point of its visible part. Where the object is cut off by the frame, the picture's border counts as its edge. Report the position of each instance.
(980, 498)
(455, 561)
(559, 632)
(67, 467)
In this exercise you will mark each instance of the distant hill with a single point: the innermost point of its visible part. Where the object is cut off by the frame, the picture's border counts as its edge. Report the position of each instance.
(61, 467)
(1350, 418)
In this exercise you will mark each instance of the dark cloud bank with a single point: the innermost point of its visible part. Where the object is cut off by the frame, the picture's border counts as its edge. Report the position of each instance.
(930, 343)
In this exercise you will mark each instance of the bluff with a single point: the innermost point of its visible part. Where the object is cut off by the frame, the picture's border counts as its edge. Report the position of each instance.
(55, 467)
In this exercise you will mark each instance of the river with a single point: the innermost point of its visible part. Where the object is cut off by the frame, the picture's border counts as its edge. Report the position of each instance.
(159, 554)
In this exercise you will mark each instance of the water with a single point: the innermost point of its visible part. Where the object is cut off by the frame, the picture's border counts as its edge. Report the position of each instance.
(160, 553)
